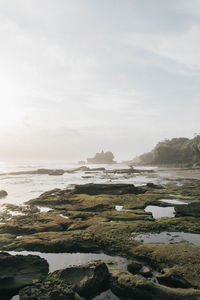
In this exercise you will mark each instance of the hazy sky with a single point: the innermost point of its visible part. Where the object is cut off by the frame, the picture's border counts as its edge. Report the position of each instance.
(79, 76)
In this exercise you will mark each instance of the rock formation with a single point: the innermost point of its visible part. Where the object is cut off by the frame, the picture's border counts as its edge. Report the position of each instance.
(102, 158)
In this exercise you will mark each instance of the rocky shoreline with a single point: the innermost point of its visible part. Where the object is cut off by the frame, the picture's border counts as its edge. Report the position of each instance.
(84, 219)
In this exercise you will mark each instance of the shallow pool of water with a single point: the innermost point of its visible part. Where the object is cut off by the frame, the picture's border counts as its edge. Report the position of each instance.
(107, 295)
(119, 207)
(44, 209)
(160, 212)
(15, 297)
(65, 217)
(167, 237)
(59, 261)
(173, 201)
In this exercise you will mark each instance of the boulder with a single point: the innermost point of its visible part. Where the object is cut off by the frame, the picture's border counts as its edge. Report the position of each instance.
(90, 279)
(115, 189)
(18, 271)
(172, 278)
(152, 185)
(192, 209)
(48, 290)
(42, 171)
(3, 194)
(128, 286)
(56, 172)
(82, 281)
(134, 267)
(82, 168)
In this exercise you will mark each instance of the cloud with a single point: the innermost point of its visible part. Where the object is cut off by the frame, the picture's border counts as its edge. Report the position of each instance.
(191, 7)
(80, 75)
(180, 48)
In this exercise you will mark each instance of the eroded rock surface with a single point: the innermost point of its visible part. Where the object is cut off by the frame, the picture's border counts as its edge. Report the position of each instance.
(128, 286)
(84, 219)
(115, 189)
(86, 281)
(19, 271)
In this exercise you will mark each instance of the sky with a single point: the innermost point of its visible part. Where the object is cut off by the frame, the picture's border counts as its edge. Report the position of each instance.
(79, 76)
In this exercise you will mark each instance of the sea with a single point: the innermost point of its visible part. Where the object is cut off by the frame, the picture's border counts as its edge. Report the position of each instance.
(24, 187)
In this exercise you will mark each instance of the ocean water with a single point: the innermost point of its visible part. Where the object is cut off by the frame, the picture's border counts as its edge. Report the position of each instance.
(21, 188)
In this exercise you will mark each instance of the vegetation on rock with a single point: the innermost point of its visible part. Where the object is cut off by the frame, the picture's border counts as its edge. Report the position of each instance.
(177, 151)
(94, 225)
(19, 271)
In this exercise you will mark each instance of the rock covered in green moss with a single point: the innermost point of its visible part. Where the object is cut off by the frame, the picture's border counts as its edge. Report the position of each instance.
(18, 271)
(48, 290)
(115, 189)
(192, 209)
(171, 277)
(31, 223)
(6, 239)
(86, 281)
(128, 286)
(182, 261)
(95, 225)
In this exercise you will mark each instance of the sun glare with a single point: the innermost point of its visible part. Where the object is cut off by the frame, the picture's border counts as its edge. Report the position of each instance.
(8, 104)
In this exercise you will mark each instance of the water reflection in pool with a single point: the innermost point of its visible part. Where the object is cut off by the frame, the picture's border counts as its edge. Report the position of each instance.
(119, 207)
(167, 237)
(173, 201)
(15, 297)
(160, 212)
(58, 261)
(107, 295)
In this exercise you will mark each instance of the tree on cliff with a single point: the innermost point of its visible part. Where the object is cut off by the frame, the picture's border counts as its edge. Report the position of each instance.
(175, 151)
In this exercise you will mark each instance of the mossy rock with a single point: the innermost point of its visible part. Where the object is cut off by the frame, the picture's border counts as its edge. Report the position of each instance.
(183, 258)
(192, 209)
(19, 270)
(31, 223)
(128, 286)
(76, 282)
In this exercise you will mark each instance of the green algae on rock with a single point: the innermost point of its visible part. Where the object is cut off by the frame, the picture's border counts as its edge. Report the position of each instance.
(182, 258)
(19, 271)
(86, 281)
(128, 286)
(94, 225)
